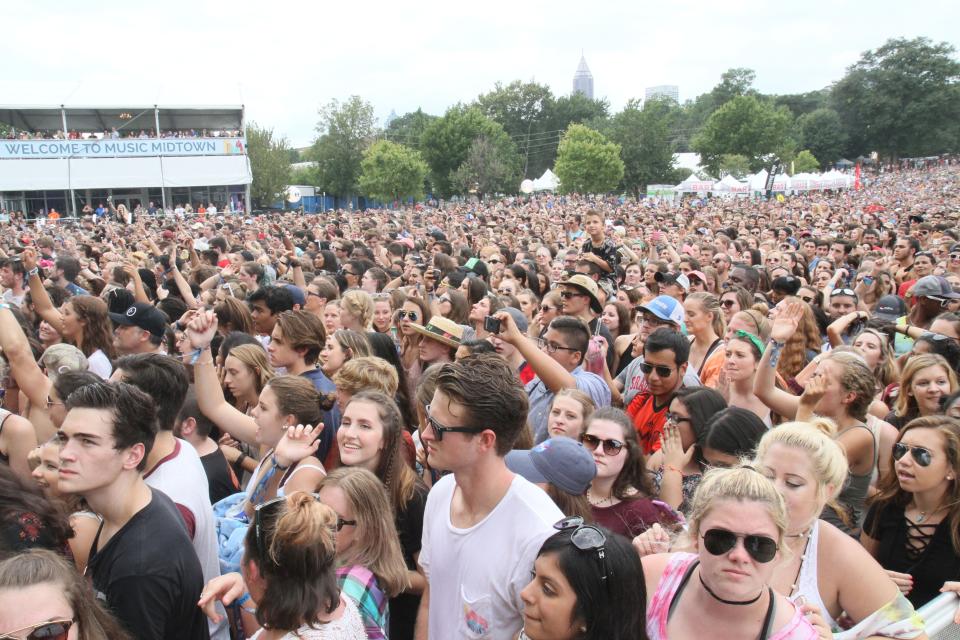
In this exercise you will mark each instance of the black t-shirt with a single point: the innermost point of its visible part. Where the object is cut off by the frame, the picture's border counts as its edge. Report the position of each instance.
(149, 576)
(220, 478)
(403, 608)
(936, 564)
(607, 252)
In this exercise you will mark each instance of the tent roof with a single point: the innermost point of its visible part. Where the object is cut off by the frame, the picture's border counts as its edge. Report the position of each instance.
(104, 117)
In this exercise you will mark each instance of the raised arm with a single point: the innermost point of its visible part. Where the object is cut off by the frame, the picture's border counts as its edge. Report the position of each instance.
(38, 293)
(549, 370)
(16, 349)
(764, 383)
(200, 331)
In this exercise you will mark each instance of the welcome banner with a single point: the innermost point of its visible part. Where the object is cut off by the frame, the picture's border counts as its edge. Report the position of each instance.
(123, 148)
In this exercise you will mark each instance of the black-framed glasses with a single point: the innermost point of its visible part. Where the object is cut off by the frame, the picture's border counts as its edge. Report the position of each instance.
(343, 522)
(761, 548)
(807, 299)
(611, 447)
(545, 308)
(407, 314)
(651, 319)
(439, 428)
(313, 293)
(586, 537)
(662, 370)
(552, 347)
(676, 418)
(49, 630)
(921, 455)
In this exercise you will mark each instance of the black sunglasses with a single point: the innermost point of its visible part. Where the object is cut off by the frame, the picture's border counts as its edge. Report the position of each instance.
(921, 455)
(53, 630)
(566, 295)
(611, 447)
(728, 303)
(407, 314)
(720, 541)
(662, 370)
(586, 537)
(439, 429)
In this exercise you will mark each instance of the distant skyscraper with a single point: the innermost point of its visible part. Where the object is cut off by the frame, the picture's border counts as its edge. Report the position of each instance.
(671, 91)
(583, 79)
(390, 118)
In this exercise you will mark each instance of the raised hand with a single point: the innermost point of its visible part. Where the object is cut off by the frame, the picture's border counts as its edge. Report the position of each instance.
(787, 321)
(672, 447)
(299, 442)
(201, 329)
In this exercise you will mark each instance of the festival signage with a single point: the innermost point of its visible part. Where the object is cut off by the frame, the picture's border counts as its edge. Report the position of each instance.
(121, 148)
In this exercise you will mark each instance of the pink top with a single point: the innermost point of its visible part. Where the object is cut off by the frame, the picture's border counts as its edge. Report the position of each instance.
(797, 629)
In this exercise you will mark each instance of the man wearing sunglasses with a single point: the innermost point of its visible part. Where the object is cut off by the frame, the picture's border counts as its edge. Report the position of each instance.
(580, 298)
(483, 525)
(142, 564)
(665, 356)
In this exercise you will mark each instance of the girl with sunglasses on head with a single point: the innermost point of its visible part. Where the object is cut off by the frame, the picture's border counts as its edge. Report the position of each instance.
(42, 597)
(913, 524)
(925, 381)
(738, 527)
(578, 594)
(826, 571)
(622, 494)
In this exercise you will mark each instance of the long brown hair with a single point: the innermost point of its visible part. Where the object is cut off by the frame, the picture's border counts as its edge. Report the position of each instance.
(97, 331)
(233, 315)
(633, 481)
(807, 338)
(890, 494)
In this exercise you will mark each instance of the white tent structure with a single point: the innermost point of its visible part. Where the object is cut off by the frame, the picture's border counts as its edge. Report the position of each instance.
(693, 184)
(547, 182)
(758, 182)
(731, 186)
(834, 179)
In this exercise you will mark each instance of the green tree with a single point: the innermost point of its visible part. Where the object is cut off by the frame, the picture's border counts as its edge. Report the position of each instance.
(587, 162)
(803, 103)
(447, 141)
(735, 165)
(269, 163)
(408, 128)
(305, 175)
(746, 126)
(733, 83)
(392, 171)
(902, 99)
(822, 132)
(805, 161)
(487, 169)
(345, 131)
(644, 139)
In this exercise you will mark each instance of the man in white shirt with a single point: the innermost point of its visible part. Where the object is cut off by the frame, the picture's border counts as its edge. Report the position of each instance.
(483, 525)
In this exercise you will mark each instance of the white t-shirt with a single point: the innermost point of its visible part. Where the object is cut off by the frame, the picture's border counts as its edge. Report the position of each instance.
(99, 363)
(476, 574)
(181, 477)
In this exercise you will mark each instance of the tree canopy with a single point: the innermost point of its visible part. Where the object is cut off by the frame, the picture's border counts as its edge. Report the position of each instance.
(587, 162)
(391, 171)
(269, 163)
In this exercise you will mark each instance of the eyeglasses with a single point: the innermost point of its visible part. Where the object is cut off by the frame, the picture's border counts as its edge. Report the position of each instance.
(344, 272)
(545, 308)
(586, 537)
(51, 403)
(807, 299)
(676, 418)
(552, 347)
(843, 292)
(52, 630)
(728, 303)
(611, 447)
(720, 541)
(341, 523)
(407, 314)
(921, 455)
(444, 299)
(313, 293)
(663, 371)
(566, 295)
(439, 429)
(651, 319)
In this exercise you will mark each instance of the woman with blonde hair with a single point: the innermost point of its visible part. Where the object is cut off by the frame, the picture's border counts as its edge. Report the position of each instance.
(704, 320)
(569, 413)
(356, 310)
(370, 565)
(245, 372)
(341, 346)
(826, 570)
(925, 380)
(738, 527)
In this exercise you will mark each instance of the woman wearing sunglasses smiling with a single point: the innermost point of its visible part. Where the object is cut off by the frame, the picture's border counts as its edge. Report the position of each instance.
(44, 598)
(738, 526)
(913, 525)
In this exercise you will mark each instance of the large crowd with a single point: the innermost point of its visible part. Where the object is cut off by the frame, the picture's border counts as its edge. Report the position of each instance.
(541, 418)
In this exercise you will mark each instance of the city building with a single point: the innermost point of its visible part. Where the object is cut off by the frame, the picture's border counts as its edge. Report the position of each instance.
(65, 157)
(671, 91)
(583, 79)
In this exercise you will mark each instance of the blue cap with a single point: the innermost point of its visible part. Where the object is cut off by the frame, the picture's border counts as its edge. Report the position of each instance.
(561, 461)
(666, 308)
(297, 293)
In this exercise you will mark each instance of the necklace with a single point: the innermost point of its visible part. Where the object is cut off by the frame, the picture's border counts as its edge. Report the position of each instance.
(733, 602)
(803, 558)
(597, 501)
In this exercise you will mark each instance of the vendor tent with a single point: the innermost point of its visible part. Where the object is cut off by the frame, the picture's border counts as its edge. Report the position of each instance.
(731, 185)
(693, 184)
(547, 182)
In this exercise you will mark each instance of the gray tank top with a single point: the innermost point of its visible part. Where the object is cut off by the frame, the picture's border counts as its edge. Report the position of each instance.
(854, 495)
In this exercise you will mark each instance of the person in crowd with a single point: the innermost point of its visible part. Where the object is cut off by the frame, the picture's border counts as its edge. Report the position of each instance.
(731, 435)
(142, 559)
(734, 300)
(569, 412)
(580, 298)
(477, 412)
(413, 311)
(383, 313)
(43, 597)
(243, 371)
(29, 519)
(925, 381)
(266, 303)
(913, 522)
(562, 467)
(439, 340)
(622, 495)
(704, 320)
(342, 345)
(572, 596)
(665, 355)
(195, 428)
(370, 566)
(140, 329)
(548, 310)
(510, 352)
(742, 355)
(738, 527)
(356, 310)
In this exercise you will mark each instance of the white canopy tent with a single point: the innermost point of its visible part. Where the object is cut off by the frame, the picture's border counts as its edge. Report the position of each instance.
(547, 182)
(729, 185)
(758, 182)
(693, 184)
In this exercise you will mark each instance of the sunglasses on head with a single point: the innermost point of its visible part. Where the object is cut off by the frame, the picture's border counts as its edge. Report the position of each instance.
(439, 429)
(720, 541)
(611, 447)
(662, 370)
(407, 314)
(52, 630)
(586, 537)
(843, 292)
(921, 455)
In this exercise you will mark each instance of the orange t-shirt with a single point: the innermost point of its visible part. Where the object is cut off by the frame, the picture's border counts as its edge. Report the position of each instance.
(648, 419)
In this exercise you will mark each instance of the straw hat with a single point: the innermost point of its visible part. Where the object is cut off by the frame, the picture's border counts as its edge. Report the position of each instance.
(442, 330)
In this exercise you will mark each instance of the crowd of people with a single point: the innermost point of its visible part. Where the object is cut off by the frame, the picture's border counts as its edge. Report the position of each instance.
(116, 134)
(544, 418)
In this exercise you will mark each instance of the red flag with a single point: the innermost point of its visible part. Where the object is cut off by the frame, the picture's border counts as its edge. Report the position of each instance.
(856, 177)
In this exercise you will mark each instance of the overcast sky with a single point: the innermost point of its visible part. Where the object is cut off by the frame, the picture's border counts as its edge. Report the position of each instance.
(285, 59)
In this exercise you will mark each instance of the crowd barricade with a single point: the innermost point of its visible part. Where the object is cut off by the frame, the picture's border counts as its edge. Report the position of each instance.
(938, 616)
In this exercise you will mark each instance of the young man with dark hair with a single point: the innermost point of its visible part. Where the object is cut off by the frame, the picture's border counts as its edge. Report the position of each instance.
(172, 465)
(665, 355)
(142, 565)
(483, 525)
(904, 248)
(12, 274)
(195, 428)
(266, 303)
(66, 270)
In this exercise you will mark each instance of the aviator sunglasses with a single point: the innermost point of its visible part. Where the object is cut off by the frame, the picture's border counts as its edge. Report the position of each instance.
(720, 541)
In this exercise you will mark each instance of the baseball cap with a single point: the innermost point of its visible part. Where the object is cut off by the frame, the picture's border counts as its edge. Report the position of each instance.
(673, 278)
(889, 308)
(699, 275)
(561, 461)
(666, 308)
(62, 357)
(589, 287)
(933, 287)
(518, 319)
(297, 293)
(143, 315)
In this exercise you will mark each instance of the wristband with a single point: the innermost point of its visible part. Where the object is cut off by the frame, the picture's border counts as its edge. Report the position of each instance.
(33, 272)
(195, 355)
(276, 463)
(241, 458)
(670, 467)
(4, 305)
